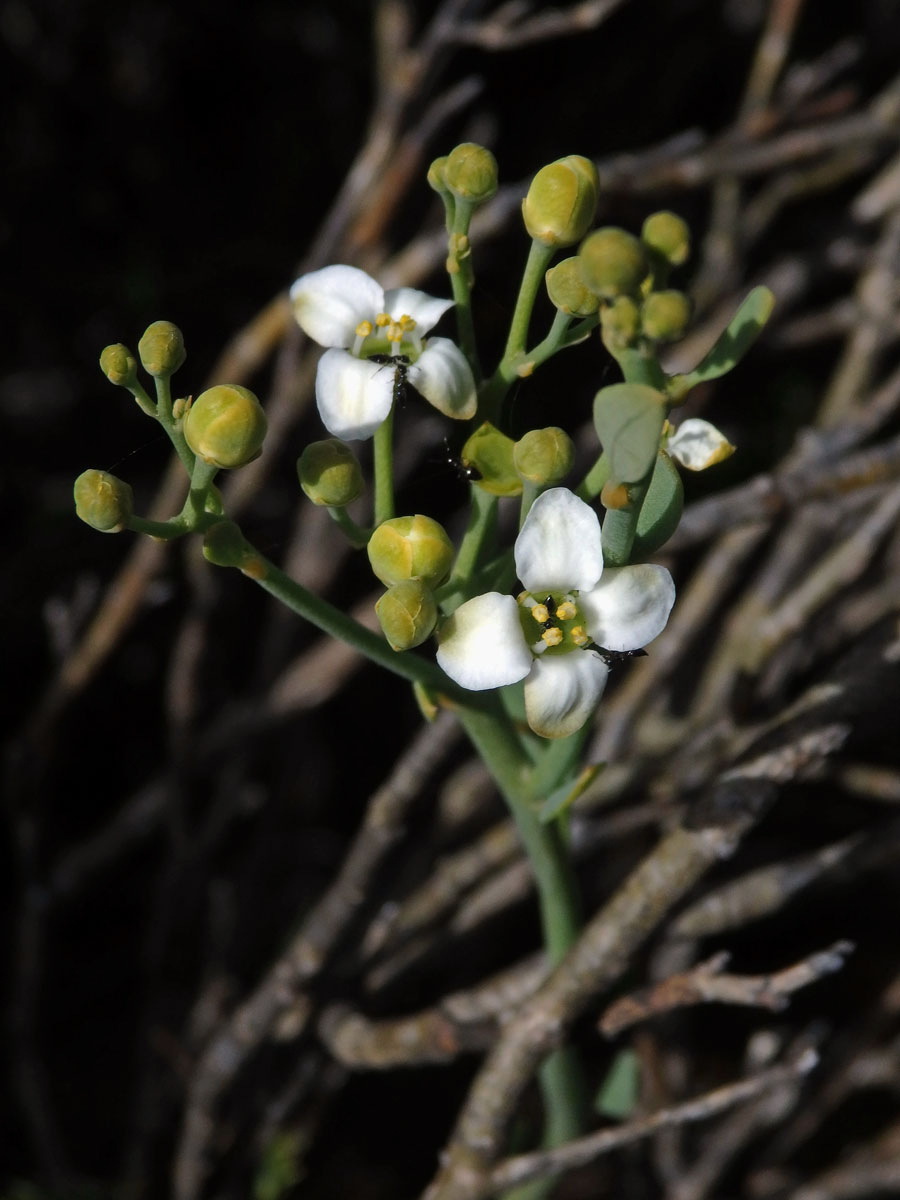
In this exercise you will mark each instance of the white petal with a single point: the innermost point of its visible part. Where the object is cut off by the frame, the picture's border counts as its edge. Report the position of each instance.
(559, 547)
(329, 304)
(443, 376)
(425, 310)
(354, 395)
(629, 607)
(482, 644)
(562, 691)
(698, 445)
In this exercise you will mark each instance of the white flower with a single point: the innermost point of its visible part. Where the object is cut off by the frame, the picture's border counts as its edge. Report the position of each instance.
(344, 309)
(697, 445)
(554, 635)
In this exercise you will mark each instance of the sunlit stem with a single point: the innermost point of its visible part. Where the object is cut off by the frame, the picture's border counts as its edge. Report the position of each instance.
(383, 465)
(462, 278)
(478, 540)
(355, 534)
(592, 484)
(172, 427)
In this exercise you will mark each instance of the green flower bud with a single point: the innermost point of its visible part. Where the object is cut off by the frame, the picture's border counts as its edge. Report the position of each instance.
(161, 349)
(225, 426)
(410, 548)
(435, 176)
(103, 501)
(329, 473)
(665, 315)
(544, 456)
(561, 201)
(408, 614)
(668, 236)
(620, 323)
(488, 453)
(119, 365)
(224, 545)
(568, 291)
(613, 262)
(470, 172)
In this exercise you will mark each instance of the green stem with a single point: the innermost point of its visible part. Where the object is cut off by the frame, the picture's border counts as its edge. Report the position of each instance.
(355, 534)
(172, 427)
(459, 268)
(592, 484)
(479, 537)
(383, 452)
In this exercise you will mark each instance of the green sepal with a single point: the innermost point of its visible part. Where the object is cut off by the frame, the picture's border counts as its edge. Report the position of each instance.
(661, 510)
(563, 797)
(620, 1090)
(732, 344)
(490, 453)
(629, 420)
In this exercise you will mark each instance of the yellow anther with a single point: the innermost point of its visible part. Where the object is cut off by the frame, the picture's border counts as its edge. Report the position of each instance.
(566, 611)
(394, 332)
(382, 319)
(364, 328)
(541, 613)
(578, 636)
(407, 323)
(552, 636)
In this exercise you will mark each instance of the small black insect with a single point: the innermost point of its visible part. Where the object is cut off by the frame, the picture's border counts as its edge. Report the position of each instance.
(401, 364)
(614, 658)
(550, 605)
(464, 470)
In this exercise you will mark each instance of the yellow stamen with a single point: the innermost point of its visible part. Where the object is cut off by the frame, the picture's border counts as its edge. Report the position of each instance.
(566, 611)
(552, 636)
(541, 613)
(578, 636)
(407, 324)
(364, 328)
(382, 319)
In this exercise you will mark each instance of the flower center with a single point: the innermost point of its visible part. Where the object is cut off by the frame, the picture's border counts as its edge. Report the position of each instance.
(553, 624)
(385, 336)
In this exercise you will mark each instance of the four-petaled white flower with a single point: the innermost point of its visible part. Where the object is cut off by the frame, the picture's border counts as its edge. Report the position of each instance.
(553, 636)
(345, 309)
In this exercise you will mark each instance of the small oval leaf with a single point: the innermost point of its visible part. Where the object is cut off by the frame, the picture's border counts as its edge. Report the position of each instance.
(629, 420)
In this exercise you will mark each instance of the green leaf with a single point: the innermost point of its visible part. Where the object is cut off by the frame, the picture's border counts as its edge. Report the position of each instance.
(661, 510)
(733, 343)
(619, 1093)
(562, 797)
(629, 420)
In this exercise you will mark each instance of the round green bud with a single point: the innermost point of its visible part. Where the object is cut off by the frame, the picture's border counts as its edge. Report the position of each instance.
(119, 365)
(665, 315)
(435, 176)
(329, 473)
(161, 349)
(470, 172)
(407, 613)
(544, 456)
(225, 426)
(224, 545)
(410, 548)
(568, 291)
(488, 457)
(613, 262)
(103, 501)
(620, 323)
(561, 201)
(668, 236)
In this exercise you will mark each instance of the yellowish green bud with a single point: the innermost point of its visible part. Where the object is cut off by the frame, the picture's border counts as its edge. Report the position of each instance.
(103, 501)
(668, 236)
(544, 456)
(407, 613)
(620, 323)
(613, 263)
(435, 176)
(161, 349)
(224, 545)
(329, 473)
(470, 172)
(568, 291)
(119, 365)
(665, 315)
(561, 201)
(488, 453)
(410, 548)
(225, 426)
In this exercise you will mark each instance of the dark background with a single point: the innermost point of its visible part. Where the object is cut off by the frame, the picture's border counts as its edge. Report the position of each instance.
(164, 161)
